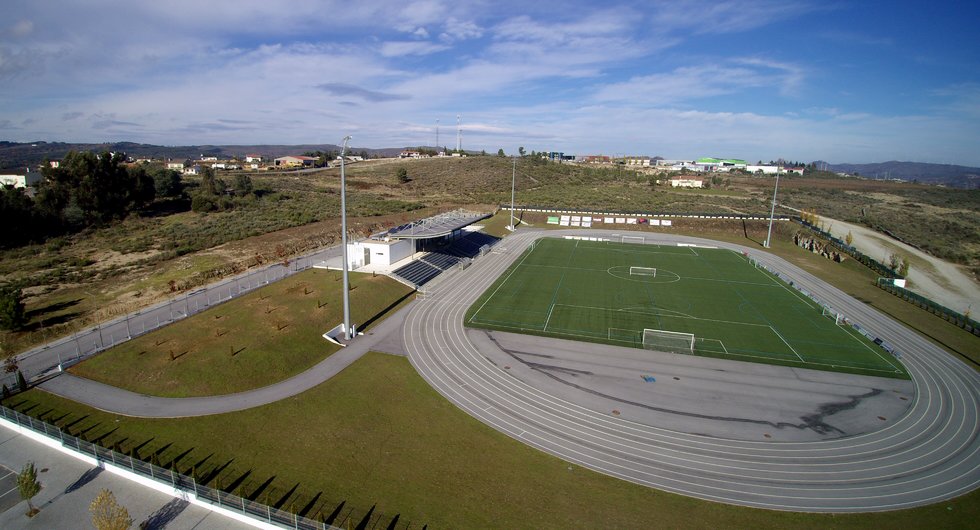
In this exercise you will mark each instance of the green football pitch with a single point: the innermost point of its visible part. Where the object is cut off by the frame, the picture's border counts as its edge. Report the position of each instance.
(689, 300)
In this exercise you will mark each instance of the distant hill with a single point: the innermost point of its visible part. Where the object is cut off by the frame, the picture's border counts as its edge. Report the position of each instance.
(14, 155)
(946, 174)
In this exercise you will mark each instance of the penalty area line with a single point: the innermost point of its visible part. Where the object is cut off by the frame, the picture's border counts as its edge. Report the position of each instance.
(787, 344)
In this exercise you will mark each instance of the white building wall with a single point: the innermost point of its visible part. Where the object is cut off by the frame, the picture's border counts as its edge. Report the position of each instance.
(401, 250)
(383, 253)
(20, 181)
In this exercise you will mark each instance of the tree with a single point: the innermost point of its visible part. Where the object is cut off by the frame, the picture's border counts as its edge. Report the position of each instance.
(28, 486)
(500, 152)
(520, 150)
(209, 185)
(167, 182)
(903, 268)
(403, 175)
(849, 238)
(243, 184)
(893, 262)
(107, 514)
(12, 308)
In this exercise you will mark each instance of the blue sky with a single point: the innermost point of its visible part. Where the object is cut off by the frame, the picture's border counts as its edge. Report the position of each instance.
(755, 79)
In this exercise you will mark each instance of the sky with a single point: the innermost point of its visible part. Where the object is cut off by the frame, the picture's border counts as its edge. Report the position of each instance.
(839, 81)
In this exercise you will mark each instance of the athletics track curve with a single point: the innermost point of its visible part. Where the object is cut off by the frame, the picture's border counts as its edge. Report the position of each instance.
(930, 454)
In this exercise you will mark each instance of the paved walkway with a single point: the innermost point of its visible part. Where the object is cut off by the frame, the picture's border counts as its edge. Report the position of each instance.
(69, 485)
(119, 401)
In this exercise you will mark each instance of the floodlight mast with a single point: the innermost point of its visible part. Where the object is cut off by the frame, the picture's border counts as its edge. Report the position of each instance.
(772, 213)
(343, 238)
(513, 178)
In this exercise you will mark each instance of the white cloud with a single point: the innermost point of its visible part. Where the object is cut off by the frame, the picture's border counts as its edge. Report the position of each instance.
(401, 48)
(703, 81)
(22, 28)
(456, 30)
(728, 16)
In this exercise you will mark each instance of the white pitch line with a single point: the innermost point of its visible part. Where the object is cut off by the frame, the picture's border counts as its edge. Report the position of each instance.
(786, 343)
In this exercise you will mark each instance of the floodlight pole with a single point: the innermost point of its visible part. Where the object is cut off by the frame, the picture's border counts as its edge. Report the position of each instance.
(772, 213)
(343, 238)
(513, 178)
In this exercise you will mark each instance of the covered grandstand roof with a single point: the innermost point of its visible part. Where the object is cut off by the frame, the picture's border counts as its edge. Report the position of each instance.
(435, 226)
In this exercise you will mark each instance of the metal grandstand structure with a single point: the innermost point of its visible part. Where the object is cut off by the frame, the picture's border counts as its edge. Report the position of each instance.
(436, 226)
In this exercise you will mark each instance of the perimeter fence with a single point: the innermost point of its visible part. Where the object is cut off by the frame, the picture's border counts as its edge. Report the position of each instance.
(188, 488)
(947, 314)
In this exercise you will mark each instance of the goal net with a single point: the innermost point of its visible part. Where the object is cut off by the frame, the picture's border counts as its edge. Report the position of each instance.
(668, 341)
(643, 271)
(833, 315)
(634, 239)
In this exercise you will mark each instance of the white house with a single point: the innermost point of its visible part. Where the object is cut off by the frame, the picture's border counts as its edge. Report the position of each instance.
(193, 170)
(681, 182)
(642, 161)
(20, 181)
(765, 170)
(796, 170)
(294, 161)
(178, 166)
(209, 158)
(252, 158)
(410, 154)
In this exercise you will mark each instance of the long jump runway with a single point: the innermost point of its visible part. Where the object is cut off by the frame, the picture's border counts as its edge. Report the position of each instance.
(929, 454)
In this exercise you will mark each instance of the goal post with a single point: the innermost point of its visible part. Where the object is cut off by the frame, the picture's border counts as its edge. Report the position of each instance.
(833, 315)
(643, 271)
(668, 341)
(637, 240)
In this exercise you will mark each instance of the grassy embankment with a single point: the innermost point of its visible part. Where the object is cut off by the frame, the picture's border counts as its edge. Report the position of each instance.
(255, 340)
(378, 436)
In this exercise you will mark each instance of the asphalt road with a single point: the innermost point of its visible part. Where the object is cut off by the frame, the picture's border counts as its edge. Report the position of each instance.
(929, 454)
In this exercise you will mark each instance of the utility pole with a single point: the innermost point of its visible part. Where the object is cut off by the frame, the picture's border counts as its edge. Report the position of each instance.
(459, 136)
(772, 213)
(513, 179)
(437, 136)
(343, 238)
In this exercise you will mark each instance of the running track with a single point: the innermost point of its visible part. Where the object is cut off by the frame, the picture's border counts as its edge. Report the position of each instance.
(930, 454)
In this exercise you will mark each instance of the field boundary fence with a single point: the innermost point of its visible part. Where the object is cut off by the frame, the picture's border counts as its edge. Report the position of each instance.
(161, 479)
(638, 213)
(831, 310)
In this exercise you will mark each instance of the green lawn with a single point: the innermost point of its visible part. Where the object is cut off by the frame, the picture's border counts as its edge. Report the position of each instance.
(255, 340)
(378, 435)
(594, 291)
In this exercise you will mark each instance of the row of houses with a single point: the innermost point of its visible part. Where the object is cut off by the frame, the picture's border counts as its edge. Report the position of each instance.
(701, 165)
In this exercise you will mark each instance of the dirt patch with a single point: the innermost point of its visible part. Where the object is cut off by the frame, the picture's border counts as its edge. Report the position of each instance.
(940, 281)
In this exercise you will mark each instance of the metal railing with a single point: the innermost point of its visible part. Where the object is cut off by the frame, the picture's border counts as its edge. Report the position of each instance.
(179, 482)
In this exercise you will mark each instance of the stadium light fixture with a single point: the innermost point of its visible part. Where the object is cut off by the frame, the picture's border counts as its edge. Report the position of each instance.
(772, 213)
(343, 239)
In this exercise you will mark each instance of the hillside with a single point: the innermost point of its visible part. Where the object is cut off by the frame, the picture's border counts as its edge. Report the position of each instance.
(946, 174)
(18, 155)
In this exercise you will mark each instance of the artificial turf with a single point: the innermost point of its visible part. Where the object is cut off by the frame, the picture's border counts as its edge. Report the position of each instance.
(584, 290)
